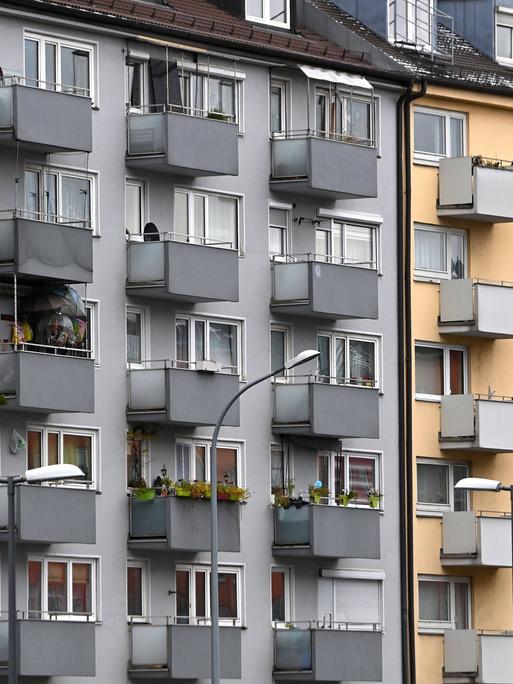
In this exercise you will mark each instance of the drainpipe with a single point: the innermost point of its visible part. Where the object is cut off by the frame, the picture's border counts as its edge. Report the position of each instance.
(404, 244)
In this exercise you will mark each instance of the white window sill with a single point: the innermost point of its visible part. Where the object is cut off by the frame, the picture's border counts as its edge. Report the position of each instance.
(420, 161)
(429, 398)
(435, 631)
(421, 513)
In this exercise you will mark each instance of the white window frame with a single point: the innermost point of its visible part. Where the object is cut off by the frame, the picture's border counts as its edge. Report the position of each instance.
(287, 234)
(502, 15)
(437, 276)
(93, 305)
(288, 573)
(144, 566)
(141, 185)
(342, 96)
(286, 330)
(145, 336)
(284, 87)
(192, 569)
(352, 337)
(377, 456)
(143, 62)
(60, 42)
(440, 626)
(430, 158)
(435, 509)
(266, 15)
(193, 192)
(411, 31)
(69, 560)
(69, 430)
(207, 444)
(446, 361)
(344, 224)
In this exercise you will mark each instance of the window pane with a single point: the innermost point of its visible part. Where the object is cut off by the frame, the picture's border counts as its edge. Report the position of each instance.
(50, 66)
(276, 241)
(81, 581)
(278, 10)
(504, 42)
(57, 588)
(358, 119)
(199, 341)
(53, 448)
(181, 215)
(34, 588)
(460, 495)
(135, 84)
(199, 217)
(222, 217)
(322, 243)
(434, 601)
(227, 465)
(134, 591)
(223, 345)
(456, 137)
(133, 337)
(360, 246)
(200, 581)
(362, 476)
(50, 195)
(457, 252)
(182, 592)
(200, 462)
(429, 133)
(461, 618)
(32, 192)
(430, 250)
(76, 200)
(278, 350)
(278, 595)
(133, 207)
(457, 371)
(34, 449)
(429, 372)
(323, 468)
(182, 341)
(432, 483)
(78, 451)
(134, 461)
(320, 112)
(31, 62)
(227, 595)
(183, 461)
(323, 346)
(75, 70)
(340, 360)
(277, 471)
(276, 113)
(340, 476)
(361, 358)
(256, 8)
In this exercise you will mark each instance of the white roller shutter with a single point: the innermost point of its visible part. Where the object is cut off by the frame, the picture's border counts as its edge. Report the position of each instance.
(357, 601)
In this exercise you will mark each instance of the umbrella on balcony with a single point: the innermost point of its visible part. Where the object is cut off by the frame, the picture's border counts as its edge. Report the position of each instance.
(56, 330)
(61, 298)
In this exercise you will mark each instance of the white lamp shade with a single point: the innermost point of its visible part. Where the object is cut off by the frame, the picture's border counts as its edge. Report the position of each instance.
(61, 471)
(478, 484)
(302, 357)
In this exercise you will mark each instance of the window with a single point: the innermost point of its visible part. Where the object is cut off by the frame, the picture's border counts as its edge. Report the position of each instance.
(344, 117)
(57, 195)
(439, 369)
(51, 445)
(135, 336)
(412, 23)
(360, 472)
(280, 594)
(280, 469)
(59, 64)
(137, 590)
(134, 206)
(205, 218)
(504, 42)
(353, 601)
(216, 97)
(278, 110)
(435, 486)
(278, 226)
(444, 603)
(279, 349)
(440, 253)
(136, 457)
(60, 587)
(269, 12)
(347, 360)
(351, 244)
(201, 339)
(193, 461)
(137, 86)
(193, 595)
(438, 134)
(93, 329)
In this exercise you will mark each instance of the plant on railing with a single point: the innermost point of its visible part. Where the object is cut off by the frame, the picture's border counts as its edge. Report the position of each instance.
(284, 498)
(374, 497)
(231, 492)
(478, 160)
(317, 491)
(218, 114)
(346, 496)
(141, 491)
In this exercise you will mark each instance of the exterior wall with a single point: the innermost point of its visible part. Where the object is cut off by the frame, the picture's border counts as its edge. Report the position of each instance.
(489, 247)
(474, 20)
(254, 433)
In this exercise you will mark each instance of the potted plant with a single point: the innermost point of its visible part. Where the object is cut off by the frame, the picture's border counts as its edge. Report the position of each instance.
(316, 491)
(236, 493)
(199, 489)
(141, 491)
(346, 496)
(218, 114)
(183, 488)
(374, 498)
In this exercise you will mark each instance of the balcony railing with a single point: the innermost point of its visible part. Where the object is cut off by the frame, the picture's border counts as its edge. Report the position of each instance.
(482, 655)
(183, 268)
(322, 164)
(327, 651)
(414, 24)
(482, 539)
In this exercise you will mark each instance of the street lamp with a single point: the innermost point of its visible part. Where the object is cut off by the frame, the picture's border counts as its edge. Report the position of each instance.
(303, 357)
(61, 471)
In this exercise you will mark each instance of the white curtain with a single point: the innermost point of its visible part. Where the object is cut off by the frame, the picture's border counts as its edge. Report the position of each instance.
(430, 250)
(222, 215)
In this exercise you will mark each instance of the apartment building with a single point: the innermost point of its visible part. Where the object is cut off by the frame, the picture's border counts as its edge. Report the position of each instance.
(192, 192)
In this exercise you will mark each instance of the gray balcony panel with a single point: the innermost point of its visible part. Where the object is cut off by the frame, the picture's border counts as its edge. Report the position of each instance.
(36, 249)
(460, 651)
(325, 290)
(47, 383)
(189, 652)
(182, 271)
(495, 661)
(476, 309)
(326, 410)
(184, 145)
(182, 524)
(292, 652)
(326, 532)
(481, 540)
(475, 192)
(46, 120)
(52, 515)
(476, 424)
(149, 646)
(324, 168)
(180, 396)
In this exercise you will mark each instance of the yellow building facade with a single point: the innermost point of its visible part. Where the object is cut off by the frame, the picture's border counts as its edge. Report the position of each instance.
(455, 591)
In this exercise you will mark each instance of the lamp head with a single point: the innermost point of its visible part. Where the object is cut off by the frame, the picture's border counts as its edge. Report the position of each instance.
(303, 357)
(478, 484)
(61, 471)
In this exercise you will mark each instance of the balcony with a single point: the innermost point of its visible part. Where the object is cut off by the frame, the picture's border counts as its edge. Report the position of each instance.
(310, 652)
(476, 539)
(181, 651)
(475, 308)
(182, 144)
(168, 394)
(51, 515)
(46, 382)
(181, 271)
(321, 531)
(44, 120)
(470, 189)
(45, 250)
(480, 657)
(306, 164)
(51, 648)
(476, 423)
(172, 523)
(306, 285)
(312, 406)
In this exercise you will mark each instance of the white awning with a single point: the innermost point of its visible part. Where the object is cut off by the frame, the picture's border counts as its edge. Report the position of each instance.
(351, 80)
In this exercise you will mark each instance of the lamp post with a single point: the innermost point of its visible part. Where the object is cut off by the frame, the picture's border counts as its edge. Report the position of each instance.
(483, 484)
(298, 360)
(61, 471)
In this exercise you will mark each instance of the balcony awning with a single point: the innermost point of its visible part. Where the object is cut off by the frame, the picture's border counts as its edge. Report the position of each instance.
(340, 77)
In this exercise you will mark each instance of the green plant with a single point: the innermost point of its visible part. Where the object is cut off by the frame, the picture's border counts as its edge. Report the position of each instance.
(218, 114)
(183, 488)
(144, 493)
(289, 487)
(317, 491)
(346, 496)
(3, 400)
(199, 489)
(374, 497)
